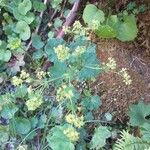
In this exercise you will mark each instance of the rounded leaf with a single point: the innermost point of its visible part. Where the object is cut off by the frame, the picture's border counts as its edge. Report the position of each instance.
(23, 29)
(22, 125)
(92, 13)
(24, 7)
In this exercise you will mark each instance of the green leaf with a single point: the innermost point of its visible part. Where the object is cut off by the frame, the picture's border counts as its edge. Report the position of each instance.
(99, 138)
(36, 41)
(138, 113)
(21, 91)
(105, 31)
(145, 131)
(21, 125)
(49, 48)
(38, 54)
(92, 103)
(108, 116)
(39, 6)
(58, 70)
(28, 18)
(57, 140)
(127, 30)
(23, 29)
(34, 122)
(24, 7)
(57, 23)
(50, 34)
(9, 111)
(5, 55)
(90, 64)
(42, 121)
(92, 13)
(4, 135)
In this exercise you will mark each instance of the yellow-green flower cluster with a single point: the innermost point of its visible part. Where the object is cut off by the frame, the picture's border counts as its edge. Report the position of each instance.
(40, 74)
(79, 50)
(19, 80)
(34, 103)
(74, 120)
(24, 75)
(64, 93)
(72, 134)
(126, 77)
(16, 81)
(77, 29)
(14, 43)
(95, 25)
(62, 52)
(111, 64)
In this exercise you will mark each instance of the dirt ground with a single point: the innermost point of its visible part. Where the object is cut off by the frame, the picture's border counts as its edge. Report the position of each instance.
(135, 56)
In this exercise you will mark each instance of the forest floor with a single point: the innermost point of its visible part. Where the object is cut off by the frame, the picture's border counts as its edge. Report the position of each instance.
(135, 56)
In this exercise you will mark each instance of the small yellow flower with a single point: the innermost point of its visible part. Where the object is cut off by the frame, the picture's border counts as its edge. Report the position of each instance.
(62, 52)
(79, 50)
(34, 103)
(95, 25)
(79, 122)
(111, 65)
(126, 77)
(74, 120)
(24, 75)
(63, 93)
(70, 118)
(14, 43)
(16, 81)
(72, 134)
(40, 74)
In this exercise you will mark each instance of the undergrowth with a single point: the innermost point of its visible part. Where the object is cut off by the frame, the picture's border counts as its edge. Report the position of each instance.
(45, 97)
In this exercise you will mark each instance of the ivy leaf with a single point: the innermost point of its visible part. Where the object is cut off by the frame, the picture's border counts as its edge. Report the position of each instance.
(23, 29)
(57, 140)
(36, 41)
(24, 7)
(127, 30)
(21, 125)
(99, 138)
(92, 13)
(9, 111)
(138, 113)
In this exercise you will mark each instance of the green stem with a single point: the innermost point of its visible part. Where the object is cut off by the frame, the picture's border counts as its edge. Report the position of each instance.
(94, 68)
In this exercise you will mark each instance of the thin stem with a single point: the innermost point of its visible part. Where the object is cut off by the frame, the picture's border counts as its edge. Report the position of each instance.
(98, 121)
(37, 28)
(95, 68)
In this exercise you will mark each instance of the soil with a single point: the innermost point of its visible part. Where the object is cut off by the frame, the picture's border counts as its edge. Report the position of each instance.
(135, 56)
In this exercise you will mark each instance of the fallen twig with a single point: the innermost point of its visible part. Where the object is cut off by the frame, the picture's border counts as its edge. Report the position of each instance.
(70, 18)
